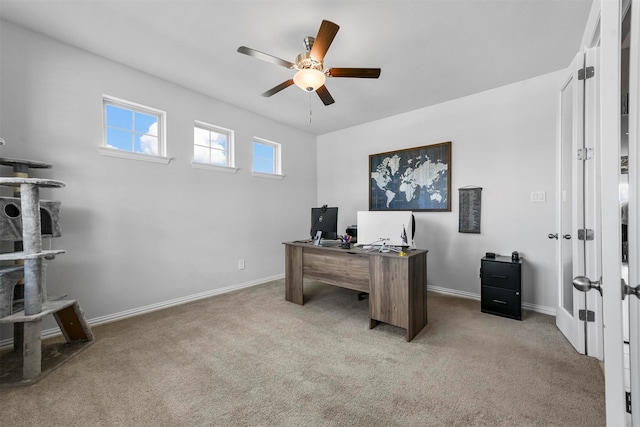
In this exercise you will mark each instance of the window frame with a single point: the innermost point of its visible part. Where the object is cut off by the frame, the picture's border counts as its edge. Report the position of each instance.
(230, 166)
(277, 174)
(105, 150)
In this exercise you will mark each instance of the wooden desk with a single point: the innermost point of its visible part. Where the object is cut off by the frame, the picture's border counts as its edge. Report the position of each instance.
(397, 286)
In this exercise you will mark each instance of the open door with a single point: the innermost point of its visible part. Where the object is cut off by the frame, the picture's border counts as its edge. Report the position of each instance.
(609, 128)
(578, 314)
(631, 41)
(570, 129)
(588, 188)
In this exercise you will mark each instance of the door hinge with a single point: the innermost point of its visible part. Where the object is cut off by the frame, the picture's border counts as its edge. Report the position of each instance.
(588, 315)
(585, 234)
(586, 73)
(585, 153)
(625, 104)
(628, 398)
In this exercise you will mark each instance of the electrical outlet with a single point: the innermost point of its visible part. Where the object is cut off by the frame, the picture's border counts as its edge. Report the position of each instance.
(241, 264)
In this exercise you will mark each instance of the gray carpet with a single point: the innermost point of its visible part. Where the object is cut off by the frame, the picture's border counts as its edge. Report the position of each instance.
(250, 358)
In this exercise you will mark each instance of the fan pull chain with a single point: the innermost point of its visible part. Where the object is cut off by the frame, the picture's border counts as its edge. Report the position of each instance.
(309, 107)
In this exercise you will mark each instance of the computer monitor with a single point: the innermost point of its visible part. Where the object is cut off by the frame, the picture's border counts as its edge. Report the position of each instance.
(324, 224)
(388, 228)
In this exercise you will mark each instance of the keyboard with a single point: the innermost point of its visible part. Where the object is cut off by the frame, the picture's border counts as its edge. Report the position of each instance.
(330, 243)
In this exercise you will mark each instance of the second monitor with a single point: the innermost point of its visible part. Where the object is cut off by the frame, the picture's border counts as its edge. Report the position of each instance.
(386, 228)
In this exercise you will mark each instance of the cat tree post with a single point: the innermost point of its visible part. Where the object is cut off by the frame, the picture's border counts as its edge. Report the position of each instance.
(32, 244)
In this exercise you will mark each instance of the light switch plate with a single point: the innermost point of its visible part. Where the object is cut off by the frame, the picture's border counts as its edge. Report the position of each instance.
(538, 196)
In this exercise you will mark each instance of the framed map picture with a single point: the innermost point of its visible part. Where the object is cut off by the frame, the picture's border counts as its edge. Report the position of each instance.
(414, 179)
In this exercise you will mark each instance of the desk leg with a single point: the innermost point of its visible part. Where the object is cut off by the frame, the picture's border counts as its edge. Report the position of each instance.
(293, 274)
(397, 292)
(417, 296)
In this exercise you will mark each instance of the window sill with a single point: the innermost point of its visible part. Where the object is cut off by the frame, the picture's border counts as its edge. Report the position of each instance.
(217, 168)
(112, 152)
(266, 175)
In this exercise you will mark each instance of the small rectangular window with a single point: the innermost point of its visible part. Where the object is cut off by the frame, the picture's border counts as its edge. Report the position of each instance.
(133, 128)
(212, 145)
(266, 157)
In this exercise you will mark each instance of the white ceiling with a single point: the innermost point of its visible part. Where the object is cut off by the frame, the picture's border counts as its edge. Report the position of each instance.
(430, 51)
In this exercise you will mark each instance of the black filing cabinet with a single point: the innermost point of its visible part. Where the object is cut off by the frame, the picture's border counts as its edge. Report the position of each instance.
(501, 286)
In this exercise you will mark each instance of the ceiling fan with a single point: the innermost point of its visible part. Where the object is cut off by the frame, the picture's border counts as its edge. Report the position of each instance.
(311, 75)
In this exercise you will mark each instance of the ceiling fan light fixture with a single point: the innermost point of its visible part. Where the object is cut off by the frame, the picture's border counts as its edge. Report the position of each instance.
(309, 79)
(309, 65)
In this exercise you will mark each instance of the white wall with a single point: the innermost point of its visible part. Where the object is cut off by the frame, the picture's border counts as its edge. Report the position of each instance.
(503, 140)
(139, 233)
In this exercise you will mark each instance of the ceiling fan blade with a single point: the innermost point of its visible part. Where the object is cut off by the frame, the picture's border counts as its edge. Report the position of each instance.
(324, 95)
(326, 34)
(278, 88)
(265, 57)
(363, 73)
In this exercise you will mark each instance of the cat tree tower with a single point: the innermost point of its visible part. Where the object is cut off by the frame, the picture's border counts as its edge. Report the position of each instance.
(24, 219)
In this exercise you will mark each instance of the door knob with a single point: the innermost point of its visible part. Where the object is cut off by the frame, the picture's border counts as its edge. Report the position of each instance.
(567, 236)
(628, 290)
(584, 284)
(553, 236)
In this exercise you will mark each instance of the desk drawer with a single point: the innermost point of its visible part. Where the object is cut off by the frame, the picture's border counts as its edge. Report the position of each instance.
(350, 272)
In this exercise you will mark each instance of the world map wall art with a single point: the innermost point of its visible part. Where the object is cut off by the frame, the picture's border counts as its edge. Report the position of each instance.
(414, 179)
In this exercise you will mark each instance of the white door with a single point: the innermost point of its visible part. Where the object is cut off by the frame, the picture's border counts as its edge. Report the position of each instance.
(570, 130)
(609, 129)
(600, 259)
(592, 243)
(579, 314)
(633, 301)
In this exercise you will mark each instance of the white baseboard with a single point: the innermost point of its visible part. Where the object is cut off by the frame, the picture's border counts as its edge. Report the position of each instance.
(53, 332)
(551, 311)
(453, 292)
(543, 309)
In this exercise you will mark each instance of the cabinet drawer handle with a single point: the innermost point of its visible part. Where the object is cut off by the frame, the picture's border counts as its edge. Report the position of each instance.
(499, 302)
(498, 276)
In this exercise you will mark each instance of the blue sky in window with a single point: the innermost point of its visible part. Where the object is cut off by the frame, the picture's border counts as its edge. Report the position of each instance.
(131, 131)
(263, 158)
